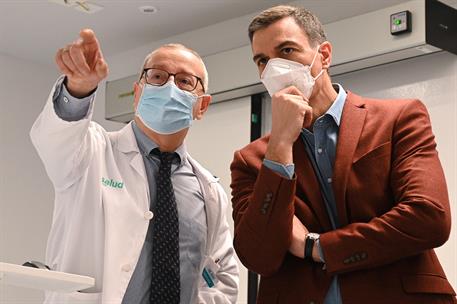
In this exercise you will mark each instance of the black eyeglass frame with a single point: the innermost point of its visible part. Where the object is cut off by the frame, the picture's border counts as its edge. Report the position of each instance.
(174, 75)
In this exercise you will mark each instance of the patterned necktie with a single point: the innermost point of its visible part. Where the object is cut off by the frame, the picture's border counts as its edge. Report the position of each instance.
(165, 287)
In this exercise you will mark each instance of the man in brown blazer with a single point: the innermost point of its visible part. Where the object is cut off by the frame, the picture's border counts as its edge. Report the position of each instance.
(345, 200)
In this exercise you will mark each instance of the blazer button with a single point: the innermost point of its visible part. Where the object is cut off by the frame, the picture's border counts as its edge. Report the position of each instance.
(148, 215)
(265, 205)
(263, 211)
(126, 267)
(269, 197)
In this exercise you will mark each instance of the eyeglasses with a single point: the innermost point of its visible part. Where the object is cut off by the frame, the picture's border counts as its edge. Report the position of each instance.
(184, 81)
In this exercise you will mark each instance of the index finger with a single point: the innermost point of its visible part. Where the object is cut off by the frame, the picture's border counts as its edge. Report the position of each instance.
(88, 37)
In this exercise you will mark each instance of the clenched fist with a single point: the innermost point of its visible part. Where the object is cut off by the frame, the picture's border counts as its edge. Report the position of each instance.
(83, 64)
(289, 114)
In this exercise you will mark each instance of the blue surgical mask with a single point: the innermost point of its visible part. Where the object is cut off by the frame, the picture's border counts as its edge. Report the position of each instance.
(165, 109)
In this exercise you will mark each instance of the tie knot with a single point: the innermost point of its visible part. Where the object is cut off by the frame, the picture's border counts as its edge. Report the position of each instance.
(166, 158)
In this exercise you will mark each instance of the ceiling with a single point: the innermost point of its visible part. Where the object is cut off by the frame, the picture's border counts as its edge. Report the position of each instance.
(33, 30)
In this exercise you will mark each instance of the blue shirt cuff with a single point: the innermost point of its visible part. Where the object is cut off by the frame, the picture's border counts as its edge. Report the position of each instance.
(70, 108)
(285, 170)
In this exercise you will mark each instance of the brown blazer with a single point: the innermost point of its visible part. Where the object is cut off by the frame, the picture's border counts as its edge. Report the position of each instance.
(392, 203)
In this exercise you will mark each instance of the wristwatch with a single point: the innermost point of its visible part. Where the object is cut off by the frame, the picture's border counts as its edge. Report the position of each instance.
(310, 239)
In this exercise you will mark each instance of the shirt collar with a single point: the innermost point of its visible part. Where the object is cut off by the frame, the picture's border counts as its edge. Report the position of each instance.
(146, 144)
(336, 109)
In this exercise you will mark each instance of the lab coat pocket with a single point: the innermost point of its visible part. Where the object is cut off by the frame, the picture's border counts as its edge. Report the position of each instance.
(83, 298)
(209, 272)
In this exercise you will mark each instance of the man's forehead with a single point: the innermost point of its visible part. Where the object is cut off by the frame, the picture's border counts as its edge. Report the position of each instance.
(285, 29)
(177, 51)
(175, 57)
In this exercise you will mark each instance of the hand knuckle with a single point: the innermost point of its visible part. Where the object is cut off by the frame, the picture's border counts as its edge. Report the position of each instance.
(276, 95)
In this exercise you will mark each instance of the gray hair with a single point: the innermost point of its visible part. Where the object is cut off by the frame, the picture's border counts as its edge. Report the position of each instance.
(178, 46)
(304, 18)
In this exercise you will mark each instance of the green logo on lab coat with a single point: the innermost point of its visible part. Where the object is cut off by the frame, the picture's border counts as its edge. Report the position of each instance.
(112, 183)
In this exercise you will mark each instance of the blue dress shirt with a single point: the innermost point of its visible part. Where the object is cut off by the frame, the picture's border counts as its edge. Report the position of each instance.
(320, 146)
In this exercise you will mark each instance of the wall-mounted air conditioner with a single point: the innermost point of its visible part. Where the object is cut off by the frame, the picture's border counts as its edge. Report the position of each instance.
(358, 42)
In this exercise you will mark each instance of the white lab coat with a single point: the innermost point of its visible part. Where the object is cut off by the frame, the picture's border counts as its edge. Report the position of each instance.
(98, 230)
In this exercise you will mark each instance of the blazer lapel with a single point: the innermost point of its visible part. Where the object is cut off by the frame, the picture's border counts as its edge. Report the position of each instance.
(352, 121)
(308, 183)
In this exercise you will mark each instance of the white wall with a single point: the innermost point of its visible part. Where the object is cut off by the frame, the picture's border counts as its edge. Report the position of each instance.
(26, 195)
(209, 40)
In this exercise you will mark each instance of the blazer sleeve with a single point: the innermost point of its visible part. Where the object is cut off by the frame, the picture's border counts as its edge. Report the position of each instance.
(263, 210)
(420, 217)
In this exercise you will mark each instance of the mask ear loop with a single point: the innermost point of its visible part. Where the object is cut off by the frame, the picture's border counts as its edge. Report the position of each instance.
(137, 114)
(203, 95)
(312, 62)
(193, 104)
(140, 98)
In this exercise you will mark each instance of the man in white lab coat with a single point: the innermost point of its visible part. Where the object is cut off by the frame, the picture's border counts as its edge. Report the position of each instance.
(114, 219)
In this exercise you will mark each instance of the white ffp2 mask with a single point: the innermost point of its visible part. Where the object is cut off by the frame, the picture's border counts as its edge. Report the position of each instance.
(281, 73)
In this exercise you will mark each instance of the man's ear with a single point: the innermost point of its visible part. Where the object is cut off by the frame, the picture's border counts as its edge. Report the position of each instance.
(202, 106)
(136, 94)
(326, 51)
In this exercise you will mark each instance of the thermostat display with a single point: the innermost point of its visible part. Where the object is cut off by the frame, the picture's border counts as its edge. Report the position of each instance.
(400, 23)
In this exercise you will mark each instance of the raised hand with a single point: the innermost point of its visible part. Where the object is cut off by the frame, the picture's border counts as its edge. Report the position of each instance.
(290, 113)
(83, 63)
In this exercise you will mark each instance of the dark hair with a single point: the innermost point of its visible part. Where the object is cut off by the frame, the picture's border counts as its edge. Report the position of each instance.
(304, 18)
